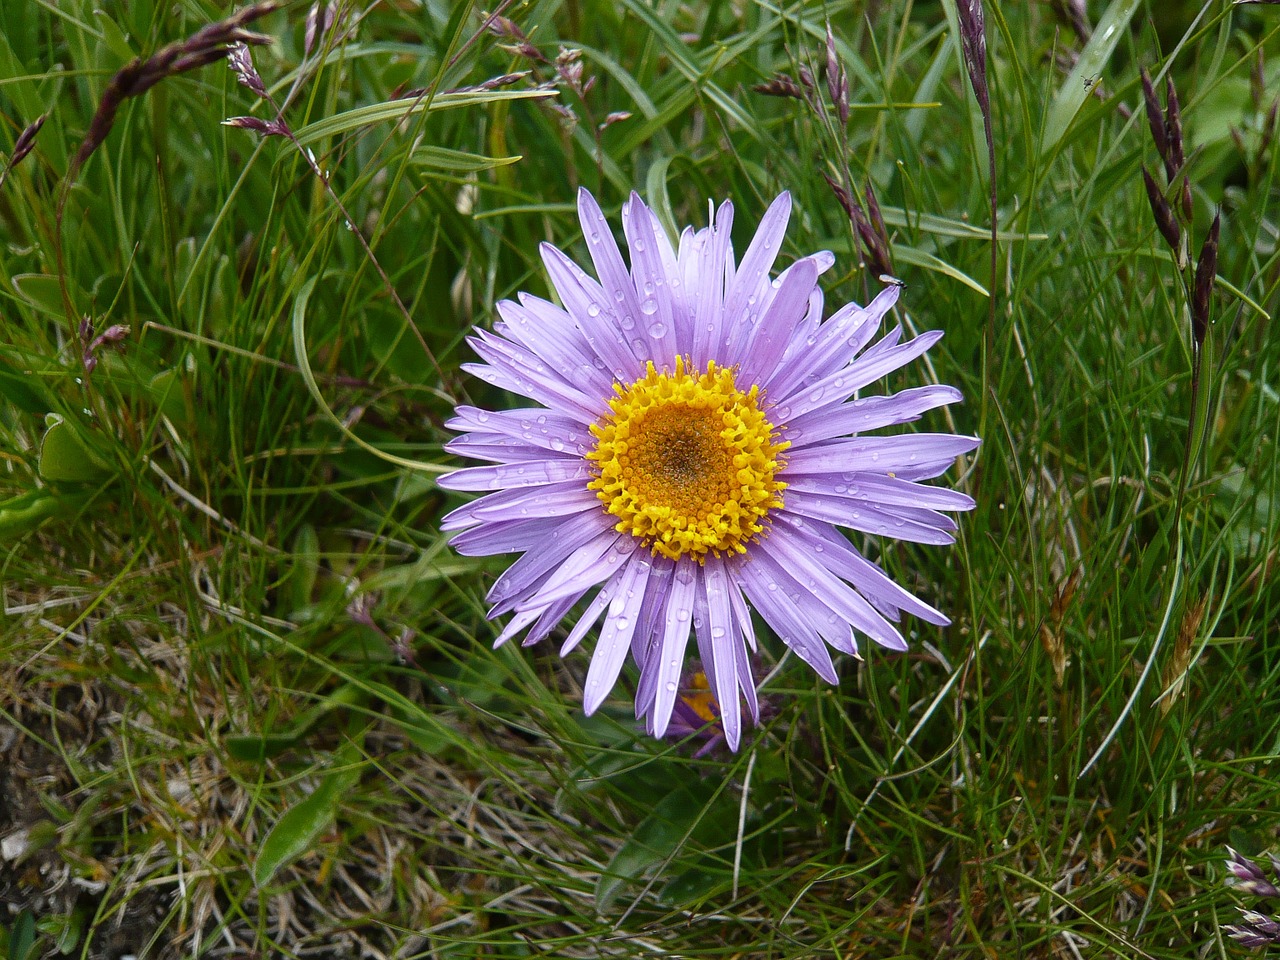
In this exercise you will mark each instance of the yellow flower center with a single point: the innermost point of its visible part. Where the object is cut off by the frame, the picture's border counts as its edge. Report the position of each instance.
(687, 463)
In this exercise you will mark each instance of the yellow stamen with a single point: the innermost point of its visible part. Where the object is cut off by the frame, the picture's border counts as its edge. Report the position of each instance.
(688, 463)
(700, 699)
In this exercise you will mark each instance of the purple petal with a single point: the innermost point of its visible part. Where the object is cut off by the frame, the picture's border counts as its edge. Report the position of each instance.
(828, 589)
(544, 329)
(547, 618)
(722, 637)
(878, 490)
(785, 312)
(536, 387)
(667, 666)
(602, 599)
(871, 518)
(843, 559)
(533, 569)
(868, 413)
(911, 451)
(715, 265)
(550, 500)
(838, 387)
(529, 474)
(752, 279)
(590, 564)
(496, 450)
(656, 321)
(597, 312)
(836, 344)
(787, 621)
(539, 426)
(514, 537)
(832, 626)
(615, 636)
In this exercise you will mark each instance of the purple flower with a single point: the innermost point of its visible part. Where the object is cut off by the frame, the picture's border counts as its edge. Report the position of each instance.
(697, 442)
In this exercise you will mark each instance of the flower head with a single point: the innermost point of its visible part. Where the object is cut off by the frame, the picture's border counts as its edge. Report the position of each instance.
(697, 442)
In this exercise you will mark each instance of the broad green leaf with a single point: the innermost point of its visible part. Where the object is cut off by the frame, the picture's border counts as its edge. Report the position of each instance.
(23, 513)
(302, 824)
(654, 842)
(41, 291)
(64, 455)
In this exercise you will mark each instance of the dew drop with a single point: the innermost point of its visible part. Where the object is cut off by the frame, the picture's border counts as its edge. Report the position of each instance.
(649, 307)
(593, 309)
(671, 686)
(623, 622)
(658, 330)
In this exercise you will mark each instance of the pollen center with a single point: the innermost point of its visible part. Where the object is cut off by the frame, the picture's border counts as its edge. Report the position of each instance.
(687, 462)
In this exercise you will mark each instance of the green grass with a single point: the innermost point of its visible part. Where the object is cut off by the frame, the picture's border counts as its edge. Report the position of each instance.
(208, 750)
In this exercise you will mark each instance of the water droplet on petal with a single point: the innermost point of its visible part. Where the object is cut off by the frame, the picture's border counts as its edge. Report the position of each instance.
(658, 331)
(593, 309)
(649, 307)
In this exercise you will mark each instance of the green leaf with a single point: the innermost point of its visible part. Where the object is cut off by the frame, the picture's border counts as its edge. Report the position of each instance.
(398, 110)
(305, 568)
(655, 841)
(64, 455)
(302, 824)
(41, 291)
(22, 938)
(1111, 29)
(456, 161)
(23, 513)
(114, 37)
(167, 393)
(927, 261)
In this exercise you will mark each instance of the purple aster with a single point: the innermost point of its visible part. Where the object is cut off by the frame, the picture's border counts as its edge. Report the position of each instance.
(697, 442)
